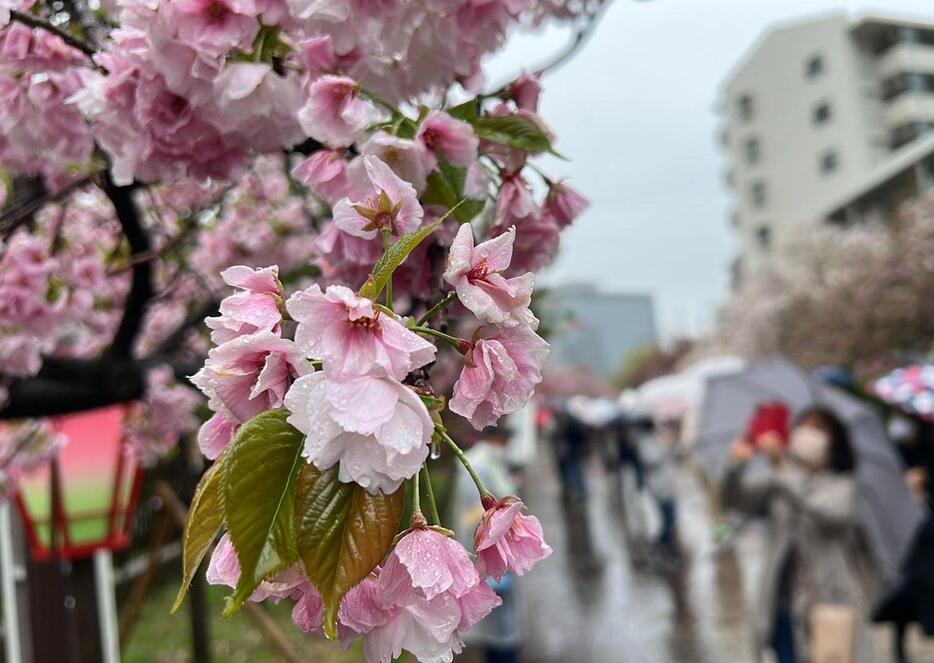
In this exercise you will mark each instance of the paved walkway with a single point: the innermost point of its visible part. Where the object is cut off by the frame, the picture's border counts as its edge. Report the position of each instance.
(594, 601)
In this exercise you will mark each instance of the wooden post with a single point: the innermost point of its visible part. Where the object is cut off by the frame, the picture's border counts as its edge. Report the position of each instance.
(63, 611)
(200, 632)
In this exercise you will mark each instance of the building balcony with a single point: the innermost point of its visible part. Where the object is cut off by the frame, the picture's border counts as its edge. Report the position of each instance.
(917, 58)
(909, 108)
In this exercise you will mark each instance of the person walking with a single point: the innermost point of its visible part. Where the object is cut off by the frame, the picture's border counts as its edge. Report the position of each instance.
(811, 601)
(658, 454)
(911, 600)
(571, 446)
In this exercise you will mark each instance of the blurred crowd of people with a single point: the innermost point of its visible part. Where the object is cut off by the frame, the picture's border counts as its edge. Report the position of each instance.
(812, 472)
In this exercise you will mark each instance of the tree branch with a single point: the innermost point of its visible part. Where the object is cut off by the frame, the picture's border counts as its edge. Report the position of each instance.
(141, 289)
(580, 37)
(21, 212)
(90, 26)
(174, 340)
(64, 35)
(72, 385)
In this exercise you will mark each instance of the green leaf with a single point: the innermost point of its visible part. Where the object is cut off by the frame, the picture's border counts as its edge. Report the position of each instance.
(515, 131)
(446, 188)
(259, 475)
(466, 111)
(393, 257)
(205, 520)
(344, 532)
(405, 128)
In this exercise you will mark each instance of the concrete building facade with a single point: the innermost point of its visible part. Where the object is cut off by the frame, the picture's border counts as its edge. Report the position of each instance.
(819, 112)
(596, 329)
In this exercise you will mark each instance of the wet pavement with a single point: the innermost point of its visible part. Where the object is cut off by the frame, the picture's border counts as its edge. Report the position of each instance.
(596, 600)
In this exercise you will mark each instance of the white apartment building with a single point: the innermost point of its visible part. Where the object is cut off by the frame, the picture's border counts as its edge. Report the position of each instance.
(826, 119)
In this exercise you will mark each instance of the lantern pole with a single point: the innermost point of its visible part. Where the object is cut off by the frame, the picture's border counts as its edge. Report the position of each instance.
(11, 636)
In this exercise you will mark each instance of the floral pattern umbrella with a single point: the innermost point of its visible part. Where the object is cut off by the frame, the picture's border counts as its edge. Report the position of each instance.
(910, 388)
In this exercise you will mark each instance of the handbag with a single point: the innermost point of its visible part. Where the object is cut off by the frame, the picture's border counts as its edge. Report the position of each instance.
(832, 629)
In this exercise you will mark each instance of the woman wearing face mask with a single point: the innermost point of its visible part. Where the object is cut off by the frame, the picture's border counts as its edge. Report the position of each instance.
(811, 595)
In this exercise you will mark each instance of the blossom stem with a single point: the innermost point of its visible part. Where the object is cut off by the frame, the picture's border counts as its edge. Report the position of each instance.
(379, 101)
(430, 494)
(453, 340)
(416, 496)
(484, 493)
(450, 297)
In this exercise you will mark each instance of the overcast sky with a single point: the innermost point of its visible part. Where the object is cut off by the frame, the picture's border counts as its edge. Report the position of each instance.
(635, 113)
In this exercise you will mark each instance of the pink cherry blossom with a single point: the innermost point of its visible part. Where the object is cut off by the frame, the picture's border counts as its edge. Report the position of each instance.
(514, 203)
(406, 157)
(499, 375)
(564, 204)
(325, 173)
(24, 444)
(151, 132)
(426, 596)
(537, 239)
(448, 138)
(432, 630)
(508, 540)
(352, 337)
(256, 307)
(152, 426)
(308, 611)
(317, 54)
(217, 26)
(250, 374)
(215, 434)
(525, 91)
(333, 112)
(476, 274)
(377, 429)
(426, 564)
(391, 205)
(224, 569)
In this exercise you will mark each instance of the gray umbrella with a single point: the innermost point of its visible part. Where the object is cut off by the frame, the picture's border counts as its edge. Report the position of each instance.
(887, 511)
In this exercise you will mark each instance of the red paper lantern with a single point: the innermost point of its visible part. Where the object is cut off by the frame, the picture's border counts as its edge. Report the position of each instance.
(82, 499)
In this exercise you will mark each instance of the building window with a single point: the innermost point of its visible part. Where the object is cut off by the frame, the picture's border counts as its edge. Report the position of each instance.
(814, 66)
(822, 113)
(753, 150)
(745, 106)
(829, 161)
(757, 194)
(764, 237)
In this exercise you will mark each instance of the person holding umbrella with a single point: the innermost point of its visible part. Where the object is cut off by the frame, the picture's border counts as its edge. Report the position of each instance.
(811, 600)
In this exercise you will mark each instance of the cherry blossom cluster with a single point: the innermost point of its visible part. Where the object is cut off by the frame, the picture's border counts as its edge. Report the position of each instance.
(54, 287)
(23, 446)
(192, 88)
(346, 366)
(356, 412)
(379, 230)
(41, 131)
(153, 425)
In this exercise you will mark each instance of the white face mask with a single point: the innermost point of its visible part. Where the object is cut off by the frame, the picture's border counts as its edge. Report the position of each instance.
(810, 445)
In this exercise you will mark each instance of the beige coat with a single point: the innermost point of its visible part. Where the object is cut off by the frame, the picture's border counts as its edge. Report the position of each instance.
(813, 514)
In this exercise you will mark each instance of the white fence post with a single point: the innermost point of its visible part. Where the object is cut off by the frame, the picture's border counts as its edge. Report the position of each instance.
(11, 640)
(107, 605)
